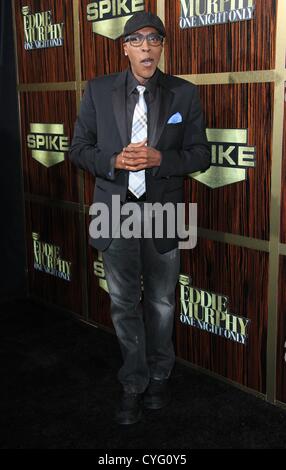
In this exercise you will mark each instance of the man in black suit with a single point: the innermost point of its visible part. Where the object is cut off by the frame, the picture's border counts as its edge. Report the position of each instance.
(139, 133)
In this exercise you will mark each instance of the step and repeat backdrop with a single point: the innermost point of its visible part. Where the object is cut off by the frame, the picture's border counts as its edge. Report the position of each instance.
(231, 296)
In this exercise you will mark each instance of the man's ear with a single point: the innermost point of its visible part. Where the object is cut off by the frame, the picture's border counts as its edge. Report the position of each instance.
(125, 49)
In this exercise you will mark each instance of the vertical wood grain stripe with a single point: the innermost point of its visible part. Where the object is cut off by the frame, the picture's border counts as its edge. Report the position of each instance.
(20, 135)
(273, 287)
(77, 48)
(161, 14)
(82, 226)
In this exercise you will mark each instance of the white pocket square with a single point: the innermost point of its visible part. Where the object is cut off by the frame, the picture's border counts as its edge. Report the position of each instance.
(175, 119)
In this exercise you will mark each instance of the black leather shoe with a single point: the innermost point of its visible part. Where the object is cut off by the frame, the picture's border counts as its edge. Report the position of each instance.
(157, 395)
(130, 408)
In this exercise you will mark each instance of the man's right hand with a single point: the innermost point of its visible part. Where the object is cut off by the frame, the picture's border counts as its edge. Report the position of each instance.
(129, 162)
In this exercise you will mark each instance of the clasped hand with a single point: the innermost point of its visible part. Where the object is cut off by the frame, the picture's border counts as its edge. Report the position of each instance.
(138, 157)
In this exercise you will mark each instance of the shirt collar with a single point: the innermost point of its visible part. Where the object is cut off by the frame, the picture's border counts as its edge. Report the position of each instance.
(150, 85)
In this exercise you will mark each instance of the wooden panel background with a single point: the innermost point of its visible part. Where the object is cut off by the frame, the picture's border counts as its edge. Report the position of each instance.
(281, 344)
(101, 55)
(55, 64)
(57, 107)
(240, 274)
(236, 47)
(283, 192)
(99, 300)
(281, 339)
(59, 227)
(241, 208)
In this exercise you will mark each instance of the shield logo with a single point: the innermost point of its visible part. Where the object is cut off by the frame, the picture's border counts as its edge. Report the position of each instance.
(231, 158)
(108, 17)
(47, 157)
(112, 28)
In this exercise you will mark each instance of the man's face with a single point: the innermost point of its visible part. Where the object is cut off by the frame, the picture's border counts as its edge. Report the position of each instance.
(143, 59)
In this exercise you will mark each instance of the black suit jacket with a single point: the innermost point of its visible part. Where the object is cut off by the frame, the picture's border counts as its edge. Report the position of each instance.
(101, 132)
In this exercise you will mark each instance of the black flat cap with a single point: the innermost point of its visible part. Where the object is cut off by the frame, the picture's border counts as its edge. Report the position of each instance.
(141, 20)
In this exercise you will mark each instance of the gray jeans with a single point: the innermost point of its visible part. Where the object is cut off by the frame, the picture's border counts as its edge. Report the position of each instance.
(143, 321)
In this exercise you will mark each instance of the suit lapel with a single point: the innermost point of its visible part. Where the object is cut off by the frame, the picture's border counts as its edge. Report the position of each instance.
(166, 99)
(119, 106)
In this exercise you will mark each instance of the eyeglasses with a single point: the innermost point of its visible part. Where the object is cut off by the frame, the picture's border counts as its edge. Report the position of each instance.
(136, 40)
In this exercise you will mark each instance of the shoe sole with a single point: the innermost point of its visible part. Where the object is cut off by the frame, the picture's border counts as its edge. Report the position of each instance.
(156, 406)
(127, 422)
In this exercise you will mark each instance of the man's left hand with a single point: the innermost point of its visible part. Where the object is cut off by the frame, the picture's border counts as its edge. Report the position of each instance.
(147, 156)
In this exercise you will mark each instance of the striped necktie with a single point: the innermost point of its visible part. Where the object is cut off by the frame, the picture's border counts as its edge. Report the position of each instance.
(137, 183)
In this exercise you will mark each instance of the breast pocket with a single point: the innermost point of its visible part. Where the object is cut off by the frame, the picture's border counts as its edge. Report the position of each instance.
(173, 134)
(178, 125)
